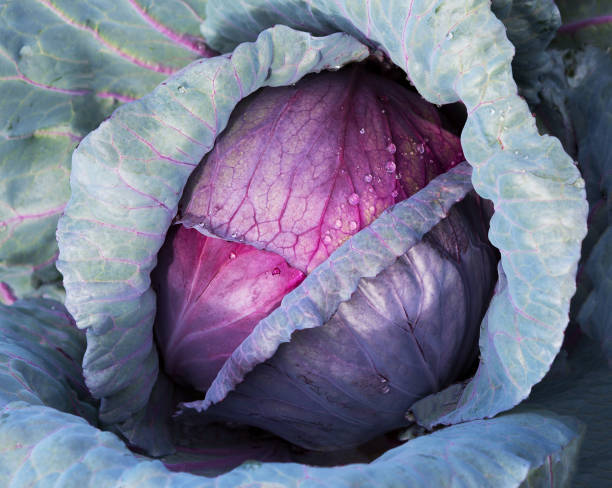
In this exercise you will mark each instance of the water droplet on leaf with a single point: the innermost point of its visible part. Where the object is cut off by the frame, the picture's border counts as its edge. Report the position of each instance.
(390, 167)
(352, 225)
(338, 224)
(362, 131)
(232, 255)
(367, 178)
(327, 239)
(275, 272)
(420, 148)
(384, 388)
(391, 148)
(181, 89)
(353, 199)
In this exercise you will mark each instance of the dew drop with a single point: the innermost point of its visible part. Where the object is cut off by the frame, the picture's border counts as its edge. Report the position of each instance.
(394, 193)
(181, 89)
(384, 388)
(327, 239)
(25, 51)
(338, 224)
(367, 178)
(449, 36)
(372, 209)
(362, 131)
(353, 199)
(390, 167)
(371, 190)
(232, 255)
(383, 111)
(492, 111)
(352, 225)
(391, 148)
(420, 148)
(234, 235)
(275, 272)
(251, 465)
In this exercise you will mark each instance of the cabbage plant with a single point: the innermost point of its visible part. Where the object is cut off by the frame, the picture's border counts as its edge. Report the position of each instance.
(304, 243)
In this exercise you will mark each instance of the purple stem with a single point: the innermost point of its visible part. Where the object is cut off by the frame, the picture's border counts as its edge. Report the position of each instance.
(21, 218)
(6, 294)
(574, 27)
(132, 59)
(193, 43)
(118, 96)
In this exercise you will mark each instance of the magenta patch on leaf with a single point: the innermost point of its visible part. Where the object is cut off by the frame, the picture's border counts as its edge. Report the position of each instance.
(302, 168)
(210, 295)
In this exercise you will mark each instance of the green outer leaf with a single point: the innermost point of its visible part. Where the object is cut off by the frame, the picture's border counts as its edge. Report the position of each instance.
(590, 105)
(595, 316)
(539, 197)
(530, 26)
(576, 105)
(54, 449)
(40, 358)
(43, 444)
(64, 67)
(334, 281)
(580, 385)
(126, 182)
